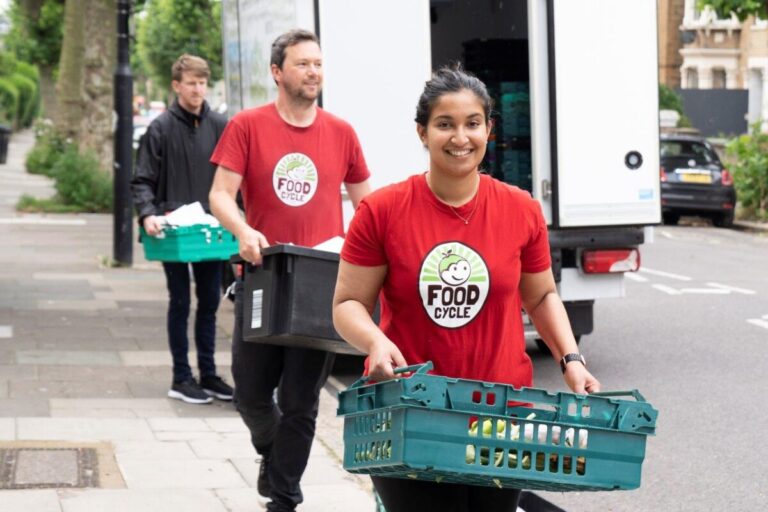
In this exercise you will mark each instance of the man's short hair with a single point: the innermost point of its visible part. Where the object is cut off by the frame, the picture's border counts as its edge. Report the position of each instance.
(290, 38)
(190, 64)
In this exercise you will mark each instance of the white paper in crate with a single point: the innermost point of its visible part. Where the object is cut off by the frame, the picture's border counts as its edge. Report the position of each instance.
(331, 245)
(189, 215)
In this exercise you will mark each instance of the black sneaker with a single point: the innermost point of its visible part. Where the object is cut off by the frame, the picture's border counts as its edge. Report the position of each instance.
(262, 485)
(190, 392)
(216, 387)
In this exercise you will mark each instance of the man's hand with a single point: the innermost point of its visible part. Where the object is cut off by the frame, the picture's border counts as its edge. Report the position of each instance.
(152, 225)
(251, 242)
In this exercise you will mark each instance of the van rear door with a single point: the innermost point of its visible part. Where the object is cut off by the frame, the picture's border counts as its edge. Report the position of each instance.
(605, 138)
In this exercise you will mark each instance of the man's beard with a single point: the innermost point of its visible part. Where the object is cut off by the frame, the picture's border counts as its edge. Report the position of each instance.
(298, 93)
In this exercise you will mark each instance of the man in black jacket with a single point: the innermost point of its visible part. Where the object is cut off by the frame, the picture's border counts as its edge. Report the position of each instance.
(173, 169)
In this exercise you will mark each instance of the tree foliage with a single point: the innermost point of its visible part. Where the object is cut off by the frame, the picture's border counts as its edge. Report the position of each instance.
(749, 154)
(173, 27)
(669, 99)
(19, 91)
(742, 8)
(36, 31)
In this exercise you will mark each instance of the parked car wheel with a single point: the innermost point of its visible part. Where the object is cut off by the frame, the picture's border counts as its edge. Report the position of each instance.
(723, 220)
(544, 349)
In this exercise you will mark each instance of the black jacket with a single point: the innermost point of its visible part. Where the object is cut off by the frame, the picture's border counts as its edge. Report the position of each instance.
(172, 163)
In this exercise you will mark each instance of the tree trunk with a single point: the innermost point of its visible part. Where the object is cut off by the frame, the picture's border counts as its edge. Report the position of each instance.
(97, 125)
(31, 7)
(84, 87)
(48, 92)
(69, 86)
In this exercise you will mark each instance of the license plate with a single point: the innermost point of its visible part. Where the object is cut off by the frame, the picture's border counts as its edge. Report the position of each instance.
(695, 178)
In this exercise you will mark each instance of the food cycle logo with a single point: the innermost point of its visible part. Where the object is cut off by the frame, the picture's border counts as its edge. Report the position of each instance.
(453, 284)
(295, 179)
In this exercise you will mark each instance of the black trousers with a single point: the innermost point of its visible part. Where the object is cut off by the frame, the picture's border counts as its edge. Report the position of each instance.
(405, 495)
(281, 431)
(208, 292)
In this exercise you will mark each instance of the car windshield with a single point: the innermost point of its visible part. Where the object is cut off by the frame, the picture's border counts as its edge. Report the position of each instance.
(688, 149)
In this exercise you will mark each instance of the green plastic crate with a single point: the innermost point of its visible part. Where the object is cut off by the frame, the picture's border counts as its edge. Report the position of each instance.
(198, 242)
(420, 427)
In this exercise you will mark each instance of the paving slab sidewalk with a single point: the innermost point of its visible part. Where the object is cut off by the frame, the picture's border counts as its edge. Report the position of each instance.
(83, 362)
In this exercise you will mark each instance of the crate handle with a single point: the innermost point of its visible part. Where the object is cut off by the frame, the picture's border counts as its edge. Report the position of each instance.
(415, 368)
(633, 393)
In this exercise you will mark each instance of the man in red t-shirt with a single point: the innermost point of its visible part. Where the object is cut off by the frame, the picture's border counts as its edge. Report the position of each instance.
(289, 159)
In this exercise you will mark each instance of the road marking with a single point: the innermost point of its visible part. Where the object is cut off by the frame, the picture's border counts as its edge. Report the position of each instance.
(634, 276)
(732, 288)
(664, 274)
(43, 222)
(667, 289)
(6, 331)
(724, 290)
(713, 291)
(759, 322)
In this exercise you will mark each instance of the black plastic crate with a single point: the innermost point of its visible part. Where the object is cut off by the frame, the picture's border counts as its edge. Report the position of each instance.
(288, 299)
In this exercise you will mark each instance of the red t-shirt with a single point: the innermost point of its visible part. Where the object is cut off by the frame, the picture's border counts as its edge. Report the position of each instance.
(451, 291)
(292, 176)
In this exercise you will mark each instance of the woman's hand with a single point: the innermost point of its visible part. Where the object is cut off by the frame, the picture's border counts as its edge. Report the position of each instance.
(383, 358)
(578, 378)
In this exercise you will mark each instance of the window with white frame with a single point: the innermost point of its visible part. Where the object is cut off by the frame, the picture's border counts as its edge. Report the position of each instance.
(718, 78)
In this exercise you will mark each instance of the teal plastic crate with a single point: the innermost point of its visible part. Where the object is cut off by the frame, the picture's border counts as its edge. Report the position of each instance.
(439, 429)
(199, 242)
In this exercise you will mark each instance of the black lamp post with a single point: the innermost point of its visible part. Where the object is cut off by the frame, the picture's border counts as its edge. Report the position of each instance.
(123, 161)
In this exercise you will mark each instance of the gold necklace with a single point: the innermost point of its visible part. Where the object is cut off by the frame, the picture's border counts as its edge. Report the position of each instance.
(468, 217)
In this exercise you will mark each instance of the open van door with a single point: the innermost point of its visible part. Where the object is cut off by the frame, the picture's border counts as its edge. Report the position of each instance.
(604, 106)
(394, 37)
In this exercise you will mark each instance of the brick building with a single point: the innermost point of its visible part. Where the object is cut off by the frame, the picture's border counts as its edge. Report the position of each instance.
(714, 53)
(671, 14)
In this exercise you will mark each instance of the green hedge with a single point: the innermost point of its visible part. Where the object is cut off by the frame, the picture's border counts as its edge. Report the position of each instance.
(28, 70)
(80, 182)
(32, 110)
(81, 186)
(28, 96)
(8, 63)
(49, 146)
(9, 101)
(19, 91)
(748, 156)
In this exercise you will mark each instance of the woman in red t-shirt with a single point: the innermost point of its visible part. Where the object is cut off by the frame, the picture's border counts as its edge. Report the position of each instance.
(455, 254)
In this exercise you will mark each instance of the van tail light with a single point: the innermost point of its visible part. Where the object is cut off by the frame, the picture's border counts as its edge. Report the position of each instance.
(726, 178)
(663, 174)
(606, 261)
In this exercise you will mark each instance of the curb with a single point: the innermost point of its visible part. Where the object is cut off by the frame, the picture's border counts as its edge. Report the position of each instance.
(744, 225)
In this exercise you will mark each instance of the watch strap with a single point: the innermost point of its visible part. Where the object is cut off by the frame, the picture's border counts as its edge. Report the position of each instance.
(567, 358)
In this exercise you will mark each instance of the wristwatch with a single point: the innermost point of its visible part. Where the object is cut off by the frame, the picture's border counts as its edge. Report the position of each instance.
(567, 358)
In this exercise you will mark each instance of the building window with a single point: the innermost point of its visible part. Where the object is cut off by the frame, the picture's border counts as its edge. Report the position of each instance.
(692, 78)
(718, 78)
(756, 78)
